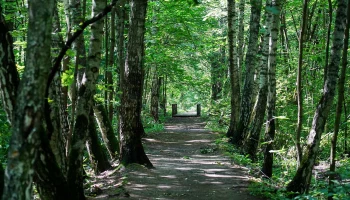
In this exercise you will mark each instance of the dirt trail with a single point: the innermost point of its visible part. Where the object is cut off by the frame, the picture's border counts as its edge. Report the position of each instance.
(187, 166)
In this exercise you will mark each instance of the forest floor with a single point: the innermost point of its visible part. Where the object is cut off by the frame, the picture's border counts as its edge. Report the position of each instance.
(187, 164)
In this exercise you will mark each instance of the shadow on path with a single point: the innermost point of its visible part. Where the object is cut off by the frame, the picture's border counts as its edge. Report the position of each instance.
(182, 170)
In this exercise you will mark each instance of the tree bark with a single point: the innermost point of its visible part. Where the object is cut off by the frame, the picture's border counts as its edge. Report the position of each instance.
(106, 130)
(339, 108)
(86, 91)
(28, 114)
(131, 129)
(98, 157)
(252, 141)
(250, 62)
(9, 78)
(155, 96)
(301, 180)
(271, 97)
(299, 83)
(233, 67)
(49, 177)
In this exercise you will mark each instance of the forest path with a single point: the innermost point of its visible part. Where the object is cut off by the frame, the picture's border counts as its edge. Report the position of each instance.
(187, 166)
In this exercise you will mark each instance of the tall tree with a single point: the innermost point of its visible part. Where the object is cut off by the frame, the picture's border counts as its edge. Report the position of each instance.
(28, 115)
(271, 97)
(86, 92)
(302, 178)
(131, 129)
(299, 85)
(339, 108)
(9, 78)
(252, 141)
(250, 62)
(234, 71)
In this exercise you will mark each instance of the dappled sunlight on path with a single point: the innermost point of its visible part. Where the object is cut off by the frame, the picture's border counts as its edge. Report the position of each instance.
(187, 166)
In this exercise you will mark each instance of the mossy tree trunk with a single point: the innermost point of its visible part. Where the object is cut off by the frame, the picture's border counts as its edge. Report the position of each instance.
(233, 67)
(250, 62)
(28, 115)
(257, 118)
(131, 128)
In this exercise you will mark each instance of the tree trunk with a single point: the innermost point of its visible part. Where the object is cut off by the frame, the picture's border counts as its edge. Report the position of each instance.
(106, 130)
(250, 62)
(240, 48)
(98, 157)
(155, 96)
(299, 83)
(234, 71)
(28, 114)
(131, 129)
(338, 112)
(1, 180)
(111, 64)
(271, 97)
(301, 180)
(252, 141)
(9, 78)
(49, 179)
(86, 92)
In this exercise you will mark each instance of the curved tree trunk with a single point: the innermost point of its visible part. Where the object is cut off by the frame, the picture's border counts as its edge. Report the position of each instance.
(302, 178)
(250, 62)
(98, 157)
(28, 115)
(234, 71)
(131, 129)
(106, 130)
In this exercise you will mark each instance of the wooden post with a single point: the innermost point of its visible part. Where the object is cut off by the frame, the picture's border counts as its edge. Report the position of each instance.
(174, 109)
(198, 110)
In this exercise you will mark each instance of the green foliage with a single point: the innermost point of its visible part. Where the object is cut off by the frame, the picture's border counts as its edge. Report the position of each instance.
(5, 133)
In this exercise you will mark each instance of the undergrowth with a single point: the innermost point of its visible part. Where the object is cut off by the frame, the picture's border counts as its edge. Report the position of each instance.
(284, 169)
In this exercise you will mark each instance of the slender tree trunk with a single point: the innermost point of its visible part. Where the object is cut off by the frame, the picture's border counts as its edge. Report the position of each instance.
(240, 48)
(111, 64)
(155, 96)
(271, 97)
(28, 113)
(84, 105)
(1, 180)
(329, 28)
(301, 180)
(250, 62)
(252, 141)
(341, 89)
(234, 71)
(106, 130)
(98, 157)
(299, 83)
(131, 129)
